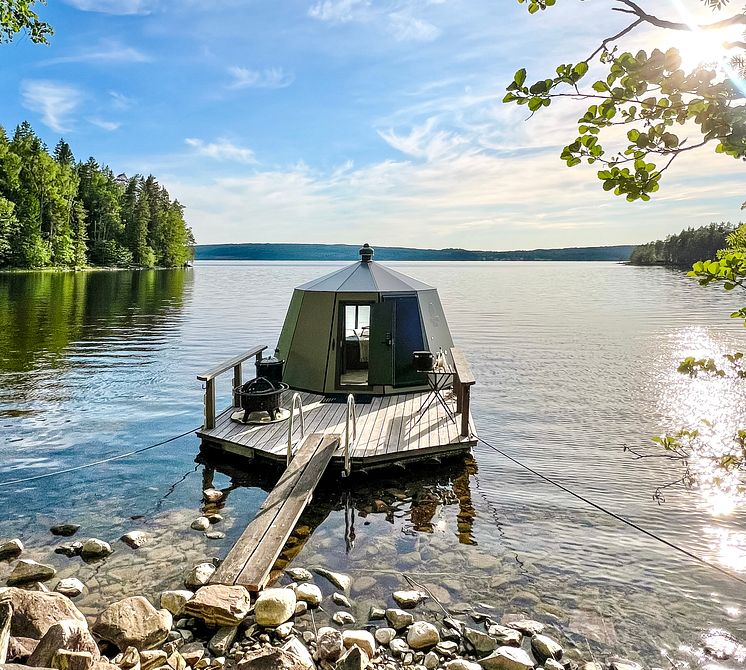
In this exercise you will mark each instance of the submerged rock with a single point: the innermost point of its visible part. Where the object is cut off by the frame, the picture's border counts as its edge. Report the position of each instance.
(69, 549)
(274, 606)
(70, 635)
(65, 529)
(220, 605)
(70, 587)
(26, 571)
(34, 612)
(133, 622)
(341, 600)
(299, 574)
(408, 599)
(507, 658)
(343, 618)
(10, 549)
(544, 648)
(505, 635)
(201, 523)
(340, 580)
(135, 539)
(526, 626)
(481, 642)
(212, 495)
(94, 548)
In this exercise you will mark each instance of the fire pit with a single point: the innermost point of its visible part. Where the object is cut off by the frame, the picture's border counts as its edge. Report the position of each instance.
(261, 398)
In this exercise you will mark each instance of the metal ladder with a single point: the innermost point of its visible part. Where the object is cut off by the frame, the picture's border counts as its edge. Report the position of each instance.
(351, 419)
(296, 401)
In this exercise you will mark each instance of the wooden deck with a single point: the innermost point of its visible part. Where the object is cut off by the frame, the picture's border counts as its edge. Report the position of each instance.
(387, 430)
(250, 560)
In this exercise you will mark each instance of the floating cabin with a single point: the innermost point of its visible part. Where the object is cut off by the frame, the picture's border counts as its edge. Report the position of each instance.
(365, 375)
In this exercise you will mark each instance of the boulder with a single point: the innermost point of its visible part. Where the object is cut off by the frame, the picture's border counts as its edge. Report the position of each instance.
(309, 593)
(10, 549)
(73, 660)
(70, 635)
(384, 635)
(220, 605)
(526, 626)
(133, 622)
(174, 601)
(399, 619)
(360, 638)
(221, 642)
(481, 642)
(270, 659)
(199, 575)
(34, 612)
(26, 571)
(505, 635)
(135, 539)
(422, 635)
(70, 587)
(408, 599)
(295, 647)
(329, 645)
(274, 607)
(201, 523)
(507, 658)
(94, 548)
(354, 659)
(69, 549)
(299, 574)
(544, 648)
(65, 529)
(462, 664)
(341, 581)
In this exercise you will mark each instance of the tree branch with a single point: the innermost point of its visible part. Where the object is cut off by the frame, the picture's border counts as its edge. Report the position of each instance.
(634, 8)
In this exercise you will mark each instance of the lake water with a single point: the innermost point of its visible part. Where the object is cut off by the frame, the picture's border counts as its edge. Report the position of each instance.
(573, 361)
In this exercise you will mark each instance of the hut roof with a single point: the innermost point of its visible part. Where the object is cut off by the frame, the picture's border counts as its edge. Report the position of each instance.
(365, 277)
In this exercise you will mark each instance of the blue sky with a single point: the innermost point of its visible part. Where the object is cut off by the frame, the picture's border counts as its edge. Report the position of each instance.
(345, 120)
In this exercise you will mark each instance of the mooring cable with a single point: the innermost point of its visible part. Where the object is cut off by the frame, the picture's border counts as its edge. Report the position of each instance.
(101, 462)
(616, 516)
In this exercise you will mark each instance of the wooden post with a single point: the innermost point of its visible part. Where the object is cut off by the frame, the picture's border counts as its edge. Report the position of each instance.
(458, 391)
(210, 403)
(465, 393)
(236, 385)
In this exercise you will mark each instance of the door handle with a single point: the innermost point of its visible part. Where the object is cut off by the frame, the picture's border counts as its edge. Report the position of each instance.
(388, 339)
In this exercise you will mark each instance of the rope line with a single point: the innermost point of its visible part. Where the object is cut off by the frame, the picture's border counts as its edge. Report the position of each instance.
(616, 516)
(101, 462)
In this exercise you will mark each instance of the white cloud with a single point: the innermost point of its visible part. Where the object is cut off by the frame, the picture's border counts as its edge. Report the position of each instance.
(222, 150)
(423, 141)
(106, 51)
(52, 100)
(120, 101)
(338, 11)
(104, 124)
(406, 28)
(244, 77)
(121, 7)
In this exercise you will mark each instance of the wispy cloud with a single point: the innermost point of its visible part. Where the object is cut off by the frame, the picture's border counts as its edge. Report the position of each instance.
(407, 28)
(106, 51)
(121, 7)
(424, 141)
(338, 11)
(222, 150)
(104, 124)
(244, 77)
(53, 101)
(120, 101)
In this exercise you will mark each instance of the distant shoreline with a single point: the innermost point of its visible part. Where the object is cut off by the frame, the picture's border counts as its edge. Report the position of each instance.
(349, 252)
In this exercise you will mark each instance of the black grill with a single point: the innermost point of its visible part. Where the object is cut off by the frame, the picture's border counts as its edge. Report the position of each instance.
(261, 395)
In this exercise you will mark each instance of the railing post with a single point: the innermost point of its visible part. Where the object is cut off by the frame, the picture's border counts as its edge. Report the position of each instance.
(458, 391)
(210, 403)
(465, 393)
(237, 381)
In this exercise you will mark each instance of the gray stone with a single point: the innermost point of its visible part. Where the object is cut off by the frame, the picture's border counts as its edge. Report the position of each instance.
(70, 587)
(69, 549)
(135, 539)
(399, 619)
(221, 642)
(274, 607)
(341, 581)
(462, 664)
(284, 630)
(309, 593)
(616, 663)
(68, 634)
(94, 548)
(133, 622)
(295, 647)
(398, 647)
(376, 613)
(212, 495)
(354, 659)
(199, 575)
(526, 626)
(299, 574)
(65, 529)
(329, 646)
(301, 608)
(431, 660)
(26, 571)
(343, 618)
(201, 523)
(551, 664)
(34, 612)
(191, 653)
(505, 635)
(214, 535)
(544, 647)
(220, 605)
(6, 616)
(341, 600)
(481, 642)
(174, 601)
(360, 638)
(76, 660)
(422, 635)
(447, 648)
(10, 549)
(507, 658)
(385, 635)
(270, 659)
(408, 599)
(20, 648)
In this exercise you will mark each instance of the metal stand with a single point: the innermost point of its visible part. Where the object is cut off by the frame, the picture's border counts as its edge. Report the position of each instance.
(438, 381)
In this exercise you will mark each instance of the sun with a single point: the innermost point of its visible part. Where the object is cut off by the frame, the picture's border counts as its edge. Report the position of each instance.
(702, 47)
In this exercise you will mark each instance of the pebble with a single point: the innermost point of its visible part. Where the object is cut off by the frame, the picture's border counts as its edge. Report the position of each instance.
(408, 599)
(399, 619)
(70, 587)
(212, 495)
(343, 618)
(340, 580)
(385, 635)
(201, 523)
(214, 535)
(299, 574)
(341, 600)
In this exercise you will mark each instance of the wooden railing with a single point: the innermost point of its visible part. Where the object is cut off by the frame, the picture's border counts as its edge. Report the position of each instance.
(462, 382)
(212, 374)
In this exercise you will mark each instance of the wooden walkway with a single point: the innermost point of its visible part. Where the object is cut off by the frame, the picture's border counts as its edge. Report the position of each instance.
(250, 560)
(389, 428)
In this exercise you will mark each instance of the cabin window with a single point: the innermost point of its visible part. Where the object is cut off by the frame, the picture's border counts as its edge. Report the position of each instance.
(355, 349)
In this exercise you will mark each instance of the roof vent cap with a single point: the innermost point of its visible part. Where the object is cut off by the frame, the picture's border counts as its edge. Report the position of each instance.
(366, 253)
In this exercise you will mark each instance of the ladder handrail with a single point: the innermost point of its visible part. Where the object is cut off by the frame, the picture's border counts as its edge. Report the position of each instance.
(296, 400)
(351, 414)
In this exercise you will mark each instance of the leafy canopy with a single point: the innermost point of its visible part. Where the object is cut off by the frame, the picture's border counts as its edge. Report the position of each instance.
(18, 16)
(664, 109)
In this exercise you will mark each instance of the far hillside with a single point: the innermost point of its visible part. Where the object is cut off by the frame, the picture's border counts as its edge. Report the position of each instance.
(682, 250)
(346, 252)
